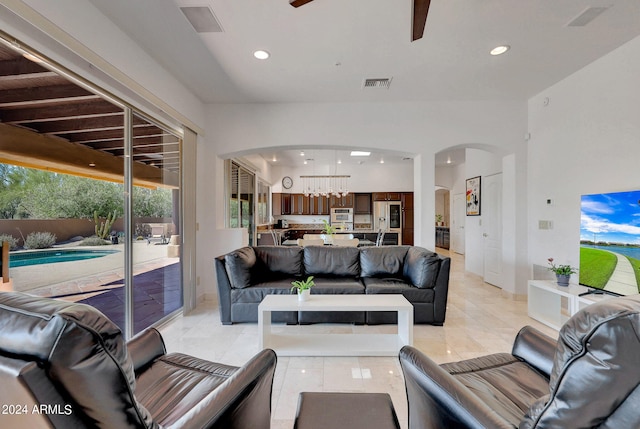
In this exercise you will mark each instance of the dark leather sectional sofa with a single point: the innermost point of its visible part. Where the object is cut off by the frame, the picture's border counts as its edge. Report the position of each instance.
(65, 365)
(245, 276)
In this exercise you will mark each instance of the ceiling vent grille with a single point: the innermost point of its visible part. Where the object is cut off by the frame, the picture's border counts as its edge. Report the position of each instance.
(202, 19)
(586, 16)
(382, 83)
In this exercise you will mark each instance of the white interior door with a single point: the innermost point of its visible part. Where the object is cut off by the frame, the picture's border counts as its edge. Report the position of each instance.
(457, 224)
(492, 228)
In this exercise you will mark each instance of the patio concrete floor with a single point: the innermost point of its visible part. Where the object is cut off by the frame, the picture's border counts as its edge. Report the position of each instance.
(77, 280)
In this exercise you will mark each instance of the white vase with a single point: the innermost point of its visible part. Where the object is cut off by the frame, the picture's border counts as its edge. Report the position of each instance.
(303, 295)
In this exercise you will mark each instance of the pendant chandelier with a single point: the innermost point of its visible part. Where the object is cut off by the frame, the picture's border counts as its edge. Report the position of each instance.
(325, 186)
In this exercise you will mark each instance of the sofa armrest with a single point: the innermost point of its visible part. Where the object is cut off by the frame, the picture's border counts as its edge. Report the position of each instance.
(243, 401)
(224, 290)
(437, 400)
(441, 290)
(145, 347)
(535, 348)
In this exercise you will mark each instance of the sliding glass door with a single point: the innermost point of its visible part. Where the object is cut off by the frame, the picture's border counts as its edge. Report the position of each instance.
(85, 175)
(156, 223)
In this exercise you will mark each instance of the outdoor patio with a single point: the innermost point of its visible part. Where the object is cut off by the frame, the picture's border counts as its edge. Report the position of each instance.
(99, 282)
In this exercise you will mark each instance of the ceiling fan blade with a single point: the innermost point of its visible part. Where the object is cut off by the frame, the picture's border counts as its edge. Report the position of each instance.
(298, 3)
(420, 11)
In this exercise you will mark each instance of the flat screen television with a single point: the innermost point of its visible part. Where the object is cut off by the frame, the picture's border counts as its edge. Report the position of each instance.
(610, 242)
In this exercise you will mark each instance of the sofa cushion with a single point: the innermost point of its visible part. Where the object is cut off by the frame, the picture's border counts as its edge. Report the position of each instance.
(198, 379)
(381, 261)
(596, 357)
(239, 265)
(337, 286)
(421, 267)
(278, 261)
(257, 292)
(375, 286)
(332, 261)
(502, 382)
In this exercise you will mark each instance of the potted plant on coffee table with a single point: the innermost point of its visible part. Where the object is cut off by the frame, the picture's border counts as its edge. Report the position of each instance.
(303, 287)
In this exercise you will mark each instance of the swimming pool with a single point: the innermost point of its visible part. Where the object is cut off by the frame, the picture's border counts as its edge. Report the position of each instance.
(37, 257)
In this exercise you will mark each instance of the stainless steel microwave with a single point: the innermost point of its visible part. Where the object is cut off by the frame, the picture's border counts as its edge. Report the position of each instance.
(342, 215)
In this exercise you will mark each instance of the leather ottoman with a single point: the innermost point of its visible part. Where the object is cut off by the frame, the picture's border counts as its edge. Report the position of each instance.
(321, 410)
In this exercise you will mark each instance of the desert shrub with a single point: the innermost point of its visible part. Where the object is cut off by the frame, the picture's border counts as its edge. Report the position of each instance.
(93, 241)
(39, 240)
(13, 242)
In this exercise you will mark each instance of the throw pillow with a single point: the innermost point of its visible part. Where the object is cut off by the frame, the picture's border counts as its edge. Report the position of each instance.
(421, 267)
(331, 261)
(279, 261)
(239, 265)
(385, 261)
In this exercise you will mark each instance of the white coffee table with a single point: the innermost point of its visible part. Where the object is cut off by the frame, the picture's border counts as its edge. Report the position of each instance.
(301, 341)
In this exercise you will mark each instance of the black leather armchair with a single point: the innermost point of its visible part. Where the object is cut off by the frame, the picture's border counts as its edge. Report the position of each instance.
(589, 378)
(65, 365)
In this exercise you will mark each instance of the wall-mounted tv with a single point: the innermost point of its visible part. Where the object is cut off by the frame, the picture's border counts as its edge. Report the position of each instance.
(610, 242)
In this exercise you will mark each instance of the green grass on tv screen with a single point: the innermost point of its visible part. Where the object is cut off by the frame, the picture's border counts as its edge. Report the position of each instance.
(596, 267)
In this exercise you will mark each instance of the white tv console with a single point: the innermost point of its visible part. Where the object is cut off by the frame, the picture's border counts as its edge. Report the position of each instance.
(553, 305)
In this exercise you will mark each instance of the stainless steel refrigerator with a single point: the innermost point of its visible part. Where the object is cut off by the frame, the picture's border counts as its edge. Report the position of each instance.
(387, 216)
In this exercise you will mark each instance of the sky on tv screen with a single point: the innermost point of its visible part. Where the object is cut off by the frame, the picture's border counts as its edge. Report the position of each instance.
(613, 217)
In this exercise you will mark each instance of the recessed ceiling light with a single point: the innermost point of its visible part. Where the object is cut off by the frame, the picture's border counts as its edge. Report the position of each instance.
(92, 164)
(499, 50)
(359, 153)
(261, 55)
(339, 161)
(301, 153)
(382, 161)
(274, 159)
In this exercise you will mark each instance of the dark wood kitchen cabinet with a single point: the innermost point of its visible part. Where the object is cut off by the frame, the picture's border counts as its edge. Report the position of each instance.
(281, 204)
(342, 201)
(362, 204)
(407, 218)
(386, 196)
(318, 205)
(442, 237)
(300, 205)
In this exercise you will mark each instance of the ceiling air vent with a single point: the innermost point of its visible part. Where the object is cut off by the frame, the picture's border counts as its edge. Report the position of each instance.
(383, 83)
(586, 16)
(202, 19)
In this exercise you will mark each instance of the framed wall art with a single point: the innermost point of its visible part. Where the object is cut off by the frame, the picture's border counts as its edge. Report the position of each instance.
(473, 196)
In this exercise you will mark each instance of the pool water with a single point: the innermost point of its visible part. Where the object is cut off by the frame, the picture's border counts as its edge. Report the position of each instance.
(23, 259)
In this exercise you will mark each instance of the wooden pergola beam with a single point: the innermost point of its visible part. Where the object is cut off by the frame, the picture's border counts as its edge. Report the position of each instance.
(26, 148)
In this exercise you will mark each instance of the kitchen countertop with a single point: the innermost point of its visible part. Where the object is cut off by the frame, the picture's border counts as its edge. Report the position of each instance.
(320, 228)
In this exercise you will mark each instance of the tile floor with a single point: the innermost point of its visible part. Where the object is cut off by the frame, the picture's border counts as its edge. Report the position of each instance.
(480, 320)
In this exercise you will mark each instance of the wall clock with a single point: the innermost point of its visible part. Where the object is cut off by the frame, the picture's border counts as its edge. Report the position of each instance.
(287, 182)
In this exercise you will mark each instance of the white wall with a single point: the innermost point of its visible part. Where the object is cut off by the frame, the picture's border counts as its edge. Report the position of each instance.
(368, 177)
(585, 138)
(477, 163)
